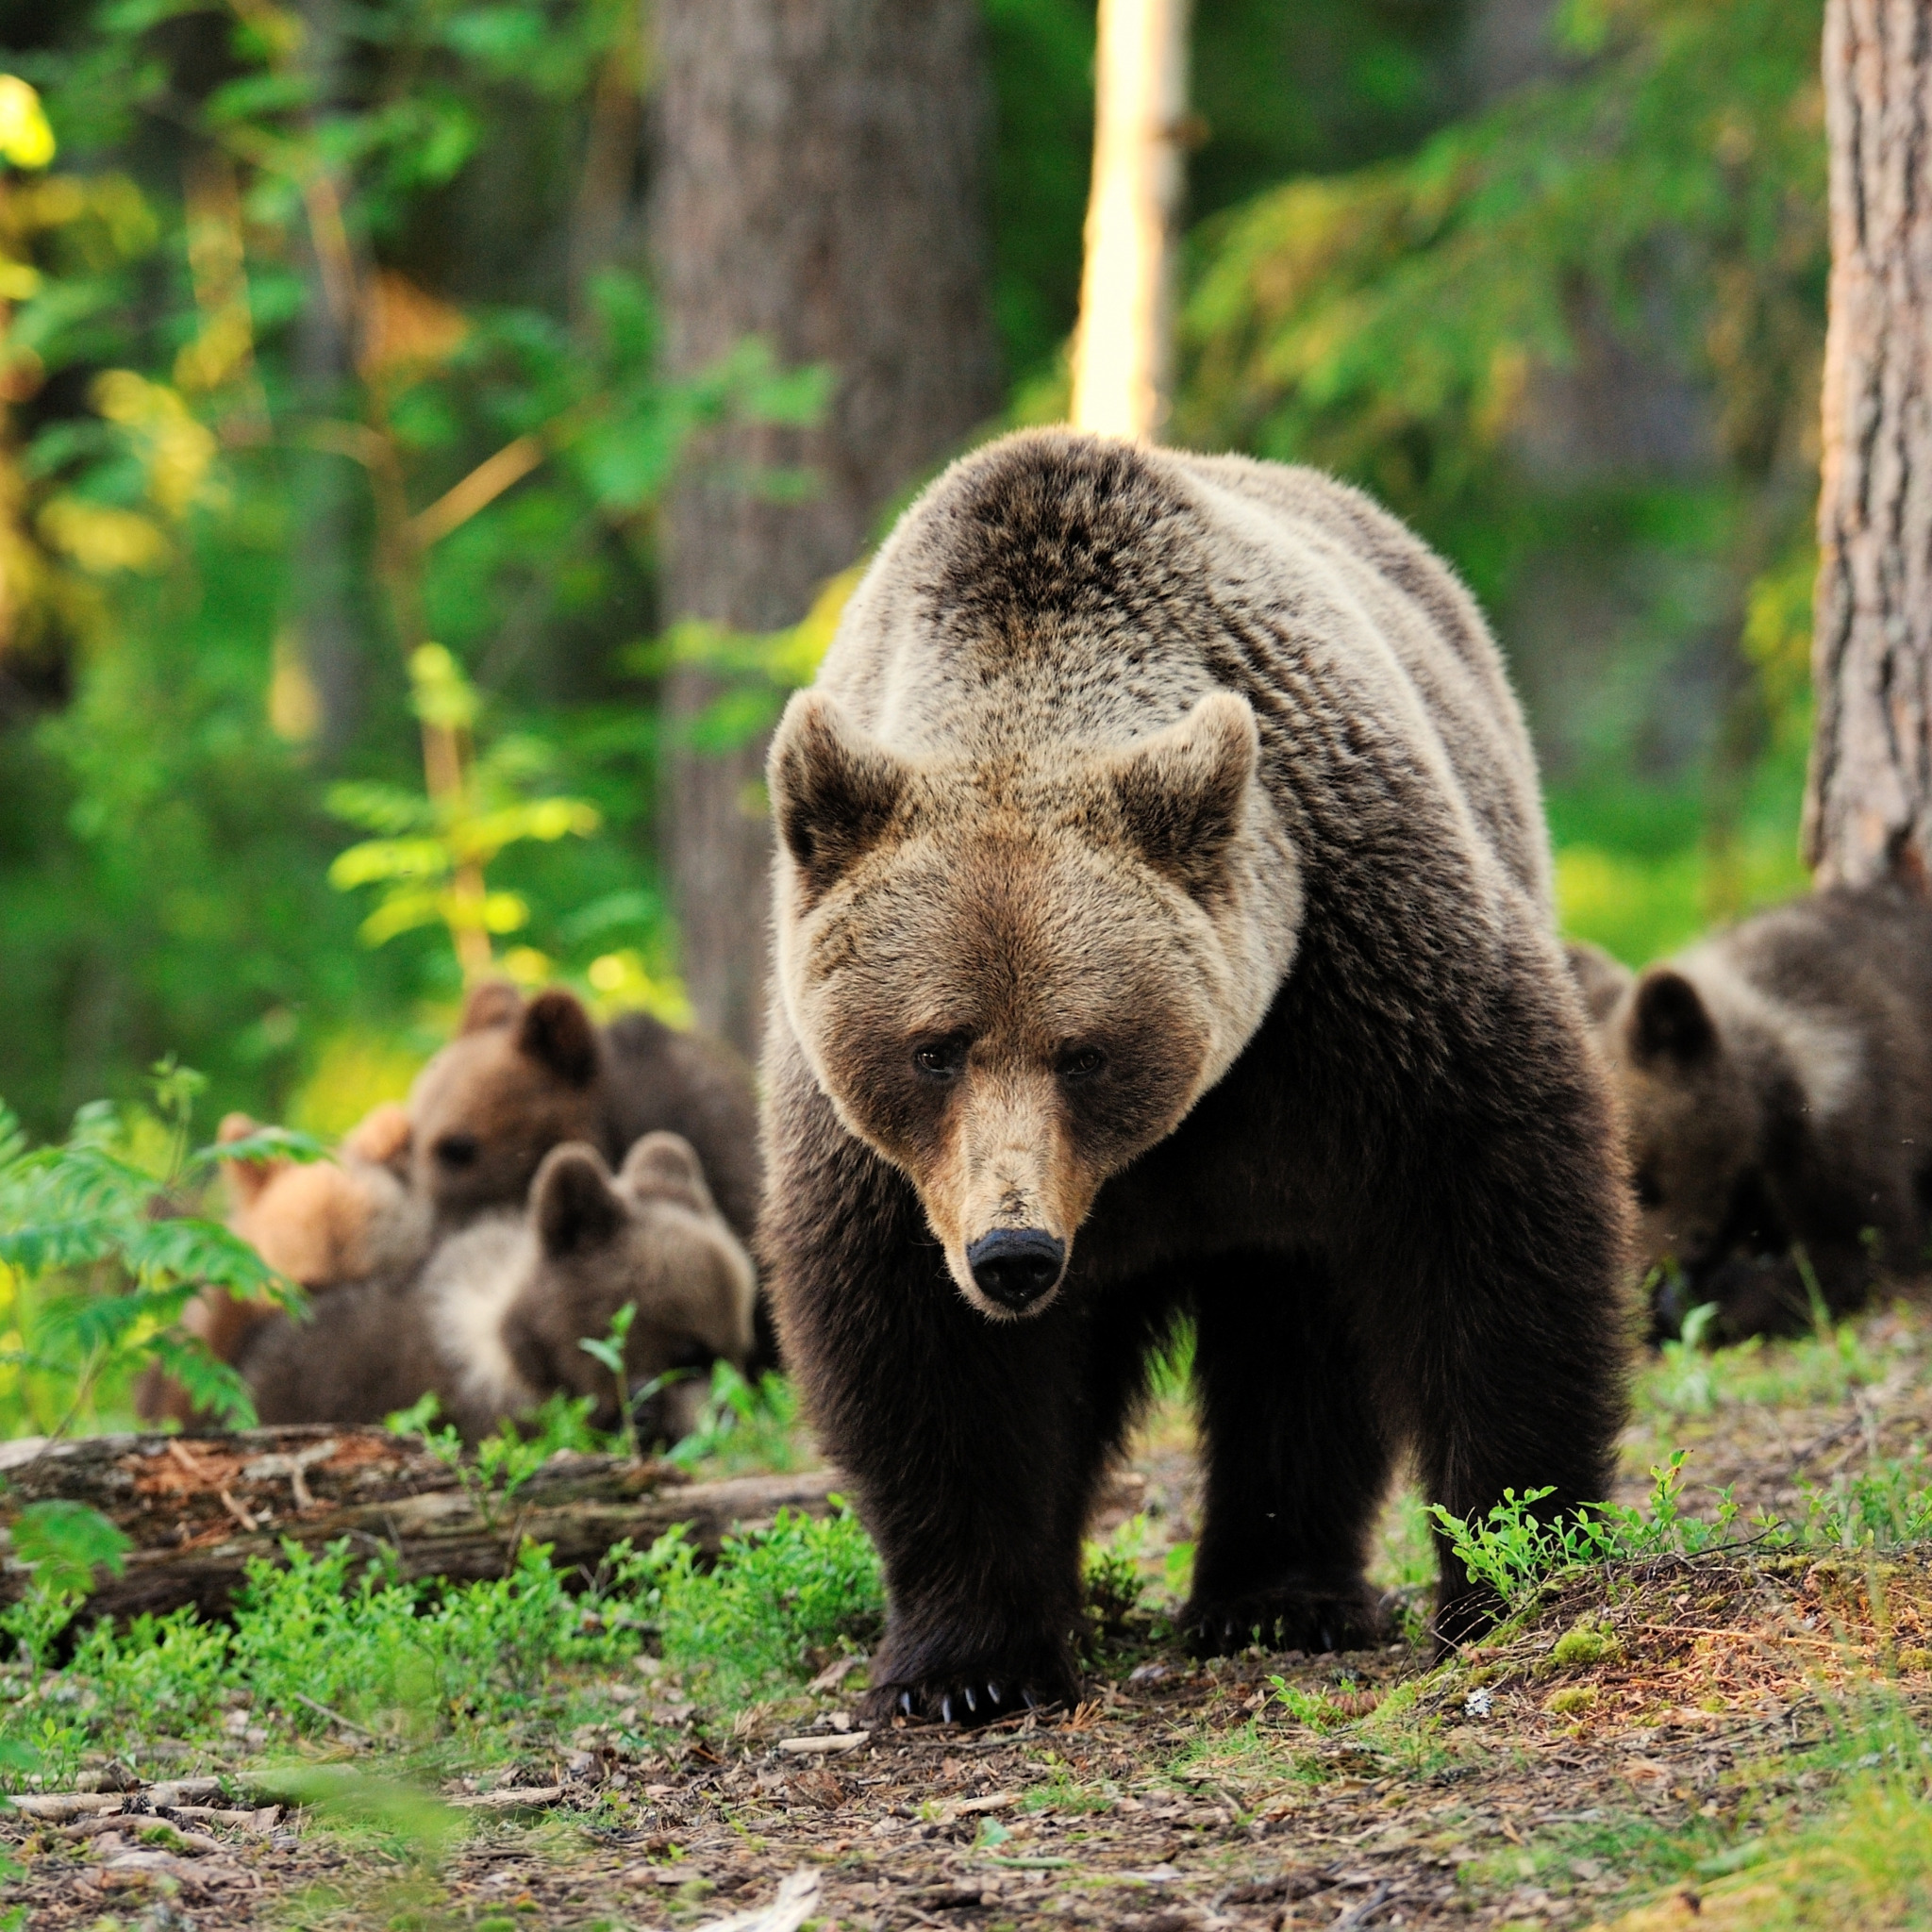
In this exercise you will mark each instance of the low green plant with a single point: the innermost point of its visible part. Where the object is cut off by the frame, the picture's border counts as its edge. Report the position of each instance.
(743, 1425)
(608, 1352)
(1516, 1550)
(1112, 1576)
(504, 1460)
(1885, 1505)
(778, 1602)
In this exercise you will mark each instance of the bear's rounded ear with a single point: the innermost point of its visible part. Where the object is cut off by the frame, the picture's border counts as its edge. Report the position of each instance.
(557, 1033)
(1181, 792)
(1599, 978)
(381, 1136)
(834, 790)
(666, 1165)
(572, 1201)
(495, 1003)
(1668, 1020)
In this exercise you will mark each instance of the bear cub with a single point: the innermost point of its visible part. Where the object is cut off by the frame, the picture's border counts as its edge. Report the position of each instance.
(1776, 1083)
(524, 1077)
(493, 1322)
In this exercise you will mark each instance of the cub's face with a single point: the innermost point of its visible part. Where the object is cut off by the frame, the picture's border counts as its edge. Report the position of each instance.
(1690, 1126)
(649, 1238)
(1010, 984)
(518, 1080)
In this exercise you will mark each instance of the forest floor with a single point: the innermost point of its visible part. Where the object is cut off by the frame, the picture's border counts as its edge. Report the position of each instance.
(1728, 1736)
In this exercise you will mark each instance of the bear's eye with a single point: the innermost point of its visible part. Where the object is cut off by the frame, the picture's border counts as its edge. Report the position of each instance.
(1648, 1193)
(457, 1150)
(940, 1059)
(1080, 1062)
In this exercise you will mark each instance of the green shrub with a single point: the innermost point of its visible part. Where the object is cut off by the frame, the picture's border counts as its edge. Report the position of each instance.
(777, 1601)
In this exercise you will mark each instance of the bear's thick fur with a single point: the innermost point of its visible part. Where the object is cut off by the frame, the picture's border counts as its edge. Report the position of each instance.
(1777, 1086)
(1163, 924)
(522, 1077)
(491, 1324)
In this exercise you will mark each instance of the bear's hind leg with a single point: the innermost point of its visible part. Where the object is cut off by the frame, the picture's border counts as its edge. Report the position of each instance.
(1297, 1462)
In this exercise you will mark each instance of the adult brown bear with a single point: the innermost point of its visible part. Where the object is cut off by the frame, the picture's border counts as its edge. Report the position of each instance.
(1163, 924)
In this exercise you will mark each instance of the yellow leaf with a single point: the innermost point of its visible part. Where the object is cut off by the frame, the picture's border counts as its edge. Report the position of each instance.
(100, 538)
(25, 138)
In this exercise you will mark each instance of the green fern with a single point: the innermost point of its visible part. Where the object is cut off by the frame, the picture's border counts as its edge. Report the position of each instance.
(98, 1262)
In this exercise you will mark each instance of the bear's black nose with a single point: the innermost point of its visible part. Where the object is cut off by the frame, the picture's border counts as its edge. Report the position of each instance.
(1015, 1266)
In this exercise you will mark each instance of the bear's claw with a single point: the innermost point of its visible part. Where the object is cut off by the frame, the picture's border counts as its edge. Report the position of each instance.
(955, 1700)
(1348, 1617)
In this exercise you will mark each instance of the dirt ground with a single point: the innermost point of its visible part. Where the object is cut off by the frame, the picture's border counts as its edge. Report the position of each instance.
(1716, 1702)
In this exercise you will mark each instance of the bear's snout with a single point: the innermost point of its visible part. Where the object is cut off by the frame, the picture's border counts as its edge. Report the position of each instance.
(1015, 1266)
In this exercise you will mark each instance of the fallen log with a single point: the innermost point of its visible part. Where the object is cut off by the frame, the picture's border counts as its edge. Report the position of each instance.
(197, 1507)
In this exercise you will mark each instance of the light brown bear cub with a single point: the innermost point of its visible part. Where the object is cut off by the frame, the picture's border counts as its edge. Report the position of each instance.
(1163, 926)
(492, 1322)
(1776, 1083)
(320, 1223)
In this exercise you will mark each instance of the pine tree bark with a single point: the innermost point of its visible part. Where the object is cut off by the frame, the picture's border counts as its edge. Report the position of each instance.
(819, 186)
(1869, 807)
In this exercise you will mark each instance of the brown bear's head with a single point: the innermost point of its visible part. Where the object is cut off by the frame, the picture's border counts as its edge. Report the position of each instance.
(651, 1238)
(517, 1081)
(1013, 974)
(1694, 1116)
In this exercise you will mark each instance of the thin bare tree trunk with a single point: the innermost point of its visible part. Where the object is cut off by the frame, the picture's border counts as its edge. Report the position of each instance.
(1123, 350)
(1868, 813)
(818, 186)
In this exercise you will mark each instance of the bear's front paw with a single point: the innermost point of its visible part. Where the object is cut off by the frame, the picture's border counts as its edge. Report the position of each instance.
(972, 1693)
(1344, 1615)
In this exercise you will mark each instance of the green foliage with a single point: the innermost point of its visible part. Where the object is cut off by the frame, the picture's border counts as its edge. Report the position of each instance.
(505, 1459)
(742, 1426)
(1111, 1575)
(1654, 214)
(1517, 1551)
(777, 1600)
(97, 1262)
(429, 858)
(245, 473)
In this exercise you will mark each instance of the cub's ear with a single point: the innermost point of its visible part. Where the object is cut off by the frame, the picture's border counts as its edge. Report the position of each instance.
(1599, 978)
(495, 1003)
(557, 1033)
(573, 1203)
(1181, 792)
(665, 1166)
(246, 1179)
(381, 1136)
(834, 790)
(1668, 1020)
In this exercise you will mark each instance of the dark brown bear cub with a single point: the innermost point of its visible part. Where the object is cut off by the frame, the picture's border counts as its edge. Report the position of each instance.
(1778, 1090)
(1163, 925)
(522, 1077)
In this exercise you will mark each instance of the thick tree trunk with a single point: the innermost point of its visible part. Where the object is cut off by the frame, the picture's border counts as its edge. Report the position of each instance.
(818, 186)
(1869, 809)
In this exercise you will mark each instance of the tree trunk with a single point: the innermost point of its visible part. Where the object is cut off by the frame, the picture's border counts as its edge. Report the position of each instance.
(1868, 813)
(1123, 349)
(197, 1508)
(818, 186)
